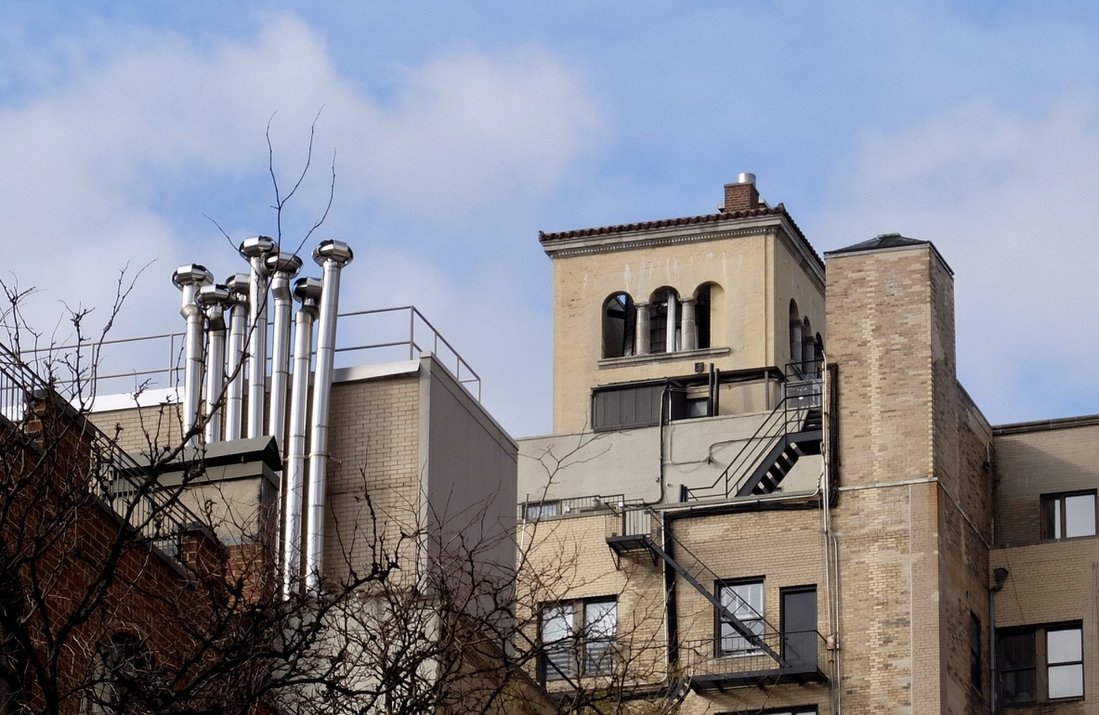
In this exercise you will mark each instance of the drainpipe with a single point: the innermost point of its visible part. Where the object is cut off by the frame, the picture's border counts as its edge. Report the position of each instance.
(189, 279)
(999, 576)
(308, 293)
(282, 267)
(214, 299)
(255, 250)
(238, 328)
(332, 256)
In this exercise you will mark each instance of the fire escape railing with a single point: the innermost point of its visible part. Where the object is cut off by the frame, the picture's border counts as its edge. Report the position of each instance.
(640, 527)
(802, 393)
(115, 477)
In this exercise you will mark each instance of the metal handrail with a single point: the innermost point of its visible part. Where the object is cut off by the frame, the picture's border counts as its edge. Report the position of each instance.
(704, 657)
(417, 336)
(114, 475)
(786, 417)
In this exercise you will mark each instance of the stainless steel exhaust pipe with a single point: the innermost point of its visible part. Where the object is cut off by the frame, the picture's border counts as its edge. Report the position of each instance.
(213, 299)
(282, 267)
(332, 256)
(189, 279)
(255, 249)
(308, 293)
(238, 328)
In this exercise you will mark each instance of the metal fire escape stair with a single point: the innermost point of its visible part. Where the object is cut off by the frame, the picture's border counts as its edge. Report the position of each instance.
(792, 430)
(622, 541)
(777, 463)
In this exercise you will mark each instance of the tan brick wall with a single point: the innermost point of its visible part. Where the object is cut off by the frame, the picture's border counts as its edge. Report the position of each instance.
(568, 559)
(785, 549)
(1040, 461)
(913, 521)
(1053, 583)
(142, 431)
(373, 462)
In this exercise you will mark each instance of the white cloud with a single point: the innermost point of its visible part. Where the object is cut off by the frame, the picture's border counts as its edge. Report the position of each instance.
(1008, 200)
(96, 168)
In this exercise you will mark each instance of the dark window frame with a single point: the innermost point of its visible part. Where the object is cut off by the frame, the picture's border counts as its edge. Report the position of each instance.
(1036, 663)
(589, 654)
(1055, 515)
(720, 650)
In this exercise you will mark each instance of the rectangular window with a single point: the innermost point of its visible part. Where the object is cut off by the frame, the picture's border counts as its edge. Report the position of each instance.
(1040, 663)
(1064, 663)
(578, 638)
(600, 622)
(744, 601)
(1016, 666)
(540, 509)
(1068, 515)
(558, 642)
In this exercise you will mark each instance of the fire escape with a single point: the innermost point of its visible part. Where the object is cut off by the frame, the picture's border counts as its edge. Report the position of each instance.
(768, 655)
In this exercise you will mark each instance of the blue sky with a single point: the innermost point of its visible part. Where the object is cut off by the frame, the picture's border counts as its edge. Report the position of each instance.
(461, 129)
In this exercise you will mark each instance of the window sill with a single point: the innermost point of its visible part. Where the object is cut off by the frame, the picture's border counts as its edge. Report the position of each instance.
(662, 357)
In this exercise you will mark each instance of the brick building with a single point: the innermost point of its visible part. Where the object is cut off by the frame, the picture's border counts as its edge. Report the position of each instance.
(773, 495)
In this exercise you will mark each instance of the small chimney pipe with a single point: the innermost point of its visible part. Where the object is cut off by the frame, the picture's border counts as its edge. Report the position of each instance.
(238, 328)
(255, 250)
(282, 267)
(308, 293)
(189, 279)
(332, 256)
(213, 299)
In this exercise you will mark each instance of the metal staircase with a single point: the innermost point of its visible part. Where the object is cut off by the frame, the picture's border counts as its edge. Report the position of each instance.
(638, 529)
(792, 430)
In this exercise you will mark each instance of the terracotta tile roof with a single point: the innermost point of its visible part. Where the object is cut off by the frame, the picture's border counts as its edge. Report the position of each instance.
(779, 210)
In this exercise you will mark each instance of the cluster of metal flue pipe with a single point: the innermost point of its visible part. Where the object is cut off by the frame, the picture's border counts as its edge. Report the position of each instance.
(230, 366)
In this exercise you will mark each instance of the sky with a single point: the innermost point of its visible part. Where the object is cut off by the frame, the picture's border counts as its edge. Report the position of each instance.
(457, 131)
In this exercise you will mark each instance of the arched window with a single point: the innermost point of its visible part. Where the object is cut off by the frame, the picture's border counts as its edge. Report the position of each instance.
(619, 322)
(796, 327)
(664, 325)
(807, 349)
(707, 314)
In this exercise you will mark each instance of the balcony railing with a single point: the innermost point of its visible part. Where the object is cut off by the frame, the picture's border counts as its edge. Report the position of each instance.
(803, 653)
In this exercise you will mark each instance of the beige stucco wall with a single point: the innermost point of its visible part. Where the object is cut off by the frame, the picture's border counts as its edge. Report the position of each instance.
(629, 463)
(747, 262)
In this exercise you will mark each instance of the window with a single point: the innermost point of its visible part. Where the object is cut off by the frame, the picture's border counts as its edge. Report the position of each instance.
(619, 322)
(1068, 515)
(744, 601)
(540, 509)
(600, 620)
(1065, 662)
(1015, 665)
(1020, 650)
(975, 650)
(574, 646)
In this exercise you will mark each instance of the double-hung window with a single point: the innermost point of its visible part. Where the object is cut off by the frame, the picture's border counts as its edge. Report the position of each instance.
(578, 638)
(1068, 515)
(1040, 663)
(744, 601)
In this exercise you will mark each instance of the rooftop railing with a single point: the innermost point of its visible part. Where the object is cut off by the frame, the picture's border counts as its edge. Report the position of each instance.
(128, 365)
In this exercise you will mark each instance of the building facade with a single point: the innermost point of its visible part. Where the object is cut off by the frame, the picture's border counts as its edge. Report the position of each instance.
(766, 490)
